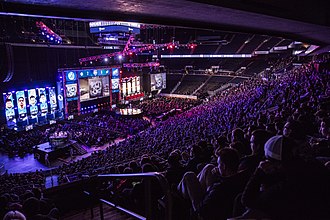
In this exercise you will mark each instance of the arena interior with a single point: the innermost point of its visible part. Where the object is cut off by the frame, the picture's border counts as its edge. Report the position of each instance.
(194, 110)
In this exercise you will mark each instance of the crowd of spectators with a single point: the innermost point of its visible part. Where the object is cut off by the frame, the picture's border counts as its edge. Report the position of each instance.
(94, 130)
(157, 106)
(101, 128)
(260, 149)
(21, 197)
(20, 143)
(27, 204)
(293, 106)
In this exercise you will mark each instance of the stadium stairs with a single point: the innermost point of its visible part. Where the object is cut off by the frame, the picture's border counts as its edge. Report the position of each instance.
(177, 85)
(79, 149)
(98, 212)
(201, 86)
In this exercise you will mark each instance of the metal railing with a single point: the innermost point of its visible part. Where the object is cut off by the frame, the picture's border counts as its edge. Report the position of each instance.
(147, 177)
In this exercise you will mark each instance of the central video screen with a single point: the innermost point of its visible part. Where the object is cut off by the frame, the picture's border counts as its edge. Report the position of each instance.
(158, 81)
(94, 87)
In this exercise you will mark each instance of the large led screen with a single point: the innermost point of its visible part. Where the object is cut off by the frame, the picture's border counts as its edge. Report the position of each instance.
(21, 104)
(71, 90)
(95, 87)
(84, 89)
(9, 108)
(27, 104)
(129, 87)
(133, 85)
(32, 97)
(158, 81)
(52, 98)
(43, 101)
(138, 84)
(124, 89)
(115, 84)
(70, 76)
(105, 85)
(115, 73)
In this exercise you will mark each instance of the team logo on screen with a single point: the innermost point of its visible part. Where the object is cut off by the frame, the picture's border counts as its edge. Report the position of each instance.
(115, 83)
(71, 90)
(60, 97)
(95, 88)
(71, 76)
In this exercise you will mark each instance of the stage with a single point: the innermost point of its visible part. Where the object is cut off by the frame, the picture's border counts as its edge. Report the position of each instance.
(53, 152)
(129, 112)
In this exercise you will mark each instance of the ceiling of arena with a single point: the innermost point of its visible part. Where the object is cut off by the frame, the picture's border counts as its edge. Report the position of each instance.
(298, 20)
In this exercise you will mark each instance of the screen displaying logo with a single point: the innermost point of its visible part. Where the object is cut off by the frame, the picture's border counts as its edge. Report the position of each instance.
(71, 76)
(71, 90)
(115, 83)
(95, 87)
(115, 73)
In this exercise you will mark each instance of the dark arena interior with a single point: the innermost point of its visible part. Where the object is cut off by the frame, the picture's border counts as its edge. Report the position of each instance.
(166, 110)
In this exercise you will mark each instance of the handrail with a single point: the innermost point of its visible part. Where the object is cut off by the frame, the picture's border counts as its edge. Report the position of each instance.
(123, 209)
(163, 183)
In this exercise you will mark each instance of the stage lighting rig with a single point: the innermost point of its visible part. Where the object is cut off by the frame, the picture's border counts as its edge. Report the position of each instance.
(48, 34)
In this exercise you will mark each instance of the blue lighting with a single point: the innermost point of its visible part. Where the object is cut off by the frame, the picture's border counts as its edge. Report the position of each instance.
(47, 36)
(51, 38)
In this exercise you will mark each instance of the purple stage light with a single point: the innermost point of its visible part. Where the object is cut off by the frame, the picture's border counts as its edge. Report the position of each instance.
(47, 36)
(51, 38)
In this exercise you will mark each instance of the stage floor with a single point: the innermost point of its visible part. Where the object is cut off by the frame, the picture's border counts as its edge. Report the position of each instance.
(30, 164)
(23, 165)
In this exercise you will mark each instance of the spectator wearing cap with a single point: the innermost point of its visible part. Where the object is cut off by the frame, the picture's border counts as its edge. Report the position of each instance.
(286, 187)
